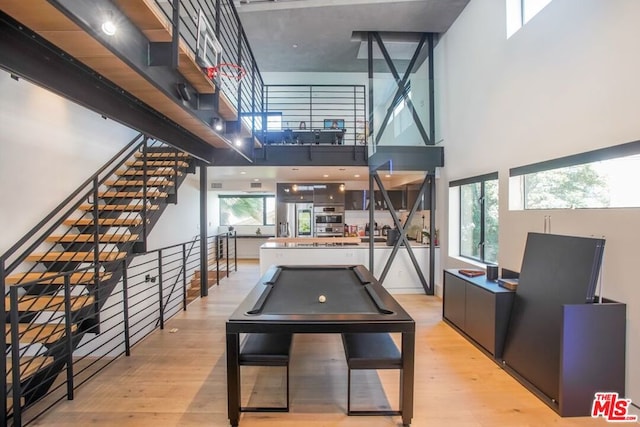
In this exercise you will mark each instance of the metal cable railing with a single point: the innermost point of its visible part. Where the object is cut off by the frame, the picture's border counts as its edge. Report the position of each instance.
(62, 343)
(318, 107)
(68, 259)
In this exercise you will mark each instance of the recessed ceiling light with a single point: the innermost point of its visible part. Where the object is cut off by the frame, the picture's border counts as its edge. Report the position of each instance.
(238, 142)
(256, 179)
(387, 176)
(356, 175)
(109, 28)
(325, 176)
(295, 46)
(242, 172)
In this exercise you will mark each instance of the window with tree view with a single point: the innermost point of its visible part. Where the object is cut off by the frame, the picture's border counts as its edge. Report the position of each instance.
(605, 178)
(479, 218)
(247, 210)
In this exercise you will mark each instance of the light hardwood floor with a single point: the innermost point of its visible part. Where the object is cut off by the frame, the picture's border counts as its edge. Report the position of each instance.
(178, 378)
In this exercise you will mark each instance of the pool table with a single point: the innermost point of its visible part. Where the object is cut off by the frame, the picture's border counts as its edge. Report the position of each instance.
(319, 299)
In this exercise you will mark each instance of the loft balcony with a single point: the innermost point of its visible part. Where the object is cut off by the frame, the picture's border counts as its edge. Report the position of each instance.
(152, 75)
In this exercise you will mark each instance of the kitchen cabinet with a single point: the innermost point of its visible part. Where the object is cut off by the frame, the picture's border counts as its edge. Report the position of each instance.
(328, 194)
(359, 200)
(411, 193)
(248, 247)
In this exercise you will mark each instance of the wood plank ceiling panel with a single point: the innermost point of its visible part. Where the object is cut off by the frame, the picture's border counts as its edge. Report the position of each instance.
(55, 27)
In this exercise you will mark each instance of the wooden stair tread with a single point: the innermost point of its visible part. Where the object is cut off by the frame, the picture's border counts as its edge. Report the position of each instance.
(32, 303)
(125, 222)
(76, 256)
(152, 172)
(88, 238)
(74, 278)
(158, 163)
(162, 154)
(130, 194)
(151, 182)
(120, 208)
(29, 366)
(38, 333)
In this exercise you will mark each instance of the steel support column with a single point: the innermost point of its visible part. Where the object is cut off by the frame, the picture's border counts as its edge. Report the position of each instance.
(372, 203)
(432, 229)
(204, 256)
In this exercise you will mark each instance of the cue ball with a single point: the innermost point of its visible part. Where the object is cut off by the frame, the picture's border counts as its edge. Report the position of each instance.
(322, 298)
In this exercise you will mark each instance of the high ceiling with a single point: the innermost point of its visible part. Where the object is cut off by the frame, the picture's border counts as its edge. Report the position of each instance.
(322, 36)
(317, 35)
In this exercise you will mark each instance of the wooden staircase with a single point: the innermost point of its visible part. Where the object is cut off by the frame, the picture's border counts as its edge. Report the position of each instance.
(126, 208)
(193, 291)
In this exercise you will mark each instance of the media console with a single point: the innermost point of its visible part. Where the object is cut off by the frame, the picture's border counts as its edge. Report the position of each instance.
(478, 308)
(591, 345)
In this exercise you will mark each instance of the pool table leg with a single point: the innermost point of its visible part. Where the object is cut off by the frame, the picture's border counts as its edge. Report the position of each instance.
(406, 384)
(233, 378)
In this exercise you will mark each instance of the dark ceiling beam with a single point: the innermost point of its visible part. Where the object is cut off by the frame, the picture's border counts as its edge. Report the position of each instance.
(302, 155)
(26, 54)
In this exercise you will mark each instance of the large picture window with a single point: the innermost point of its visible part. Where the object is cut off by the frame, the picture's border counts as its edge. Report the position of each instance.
(605, 178)
(478, 226)
(247, 210)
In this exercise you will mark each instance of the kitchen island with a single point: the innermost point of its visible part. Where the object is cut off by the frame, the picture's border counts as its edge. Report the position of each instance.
(401, 278)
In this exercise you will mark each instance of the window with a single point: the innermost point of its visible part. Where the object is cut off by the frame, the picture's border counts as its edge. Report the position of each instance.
(478, 220)
(519, 12)
(247, 210)
(605, 178)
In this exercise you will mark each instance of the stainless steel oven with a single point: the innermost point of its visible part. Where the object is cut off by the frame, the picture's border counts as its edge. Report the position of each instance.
(329, 220)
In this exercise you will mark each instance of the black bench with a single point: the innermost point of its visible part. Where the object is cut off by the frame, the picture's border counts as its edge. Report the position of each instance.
(259, 349)
(370, 351)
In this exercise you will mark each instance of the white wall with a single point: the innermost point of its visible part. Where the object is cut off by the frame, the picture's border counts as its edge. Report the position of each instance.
(564, 84)
(48, 147)
(179, 222)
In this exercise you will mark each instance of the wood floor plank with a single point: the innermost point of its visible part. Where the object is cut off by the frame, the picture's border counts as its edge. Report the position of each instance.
(179, 378)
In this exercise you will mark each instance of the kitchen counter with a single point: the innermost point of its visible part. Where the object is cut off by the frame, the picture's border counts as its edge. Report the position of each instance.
(401, 277)
(329, 245)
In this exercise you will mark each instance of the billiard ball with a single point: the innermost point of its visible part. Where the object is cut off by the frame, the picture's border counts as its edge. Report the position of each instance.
(322, 298)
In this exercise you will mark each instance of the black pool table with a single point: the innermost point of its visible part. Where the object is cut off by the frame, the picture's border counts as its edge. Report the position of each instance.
(287, 299)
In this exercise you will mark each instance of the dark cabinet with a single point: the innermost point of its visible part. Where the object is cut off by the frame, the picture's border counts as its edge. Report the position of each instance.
(294, 193)
(411, 194)
(355, 200)
(479, 308)
(328, 194)
(359, 200)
